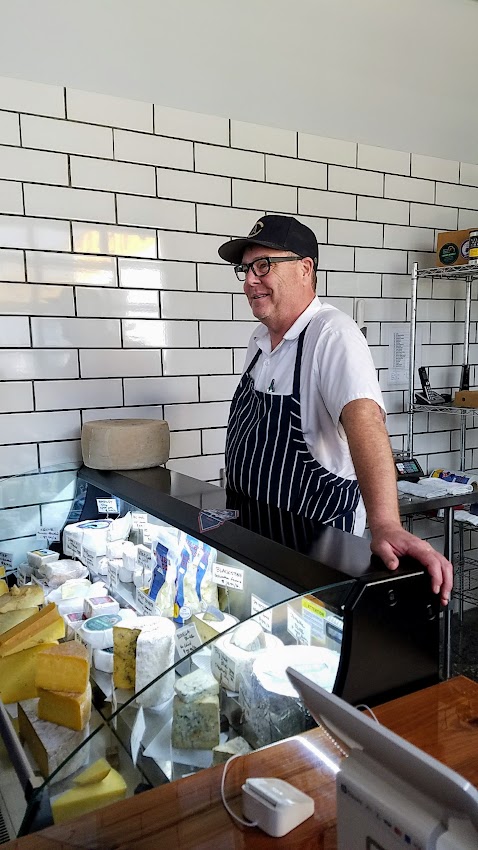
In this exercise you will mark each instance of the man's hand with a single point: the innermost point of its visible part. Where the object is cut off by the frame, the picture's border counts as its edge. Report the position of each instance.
(392, 541)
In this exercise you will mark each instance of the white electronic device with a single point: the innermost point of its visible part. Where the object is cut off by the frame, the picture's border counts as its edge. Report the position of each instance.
(274, 805)
(390, 794)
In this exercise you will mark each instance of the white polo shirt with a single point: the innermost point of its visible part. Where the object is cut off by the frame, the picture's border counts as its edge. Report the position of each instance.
(336, 368)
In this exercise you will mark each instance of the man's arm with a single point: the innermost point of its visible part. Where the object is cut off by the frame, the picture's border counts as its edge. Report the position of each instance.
(372, 458)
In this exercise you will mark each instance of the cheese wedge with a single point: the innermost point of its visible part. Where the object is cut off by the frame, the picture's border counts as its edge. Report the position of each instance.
(94, 773)
(86, 798)
(3, 587)
(63, 668)
(51, 746)
(9, 620)
(22, 597)
(124, 656)
(3, 572)
(64, 708)
(44, 627)
(17, 674)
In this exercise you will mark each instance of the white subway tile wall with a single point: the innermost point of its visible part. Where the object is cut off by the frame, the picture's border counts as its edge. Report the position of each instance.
(113, 301)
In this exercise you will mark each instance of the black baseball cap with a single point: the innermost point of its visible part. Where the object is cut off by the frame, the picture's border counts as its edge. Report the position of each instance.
(274, 231)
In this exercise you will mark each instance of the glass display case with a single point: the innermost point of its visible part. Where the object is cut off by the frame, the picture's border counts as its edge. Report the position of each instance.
(208, 634)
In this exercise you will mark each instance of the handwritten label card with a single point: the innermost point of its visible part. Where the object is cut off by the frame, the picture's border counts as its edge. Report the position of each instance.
(47, 533)
(187, 639)
(107, 506)
(265, 619)
(145, 603)
(139, 520)
(113, 576)
(228, 576)
(297, 627)
(6, 560)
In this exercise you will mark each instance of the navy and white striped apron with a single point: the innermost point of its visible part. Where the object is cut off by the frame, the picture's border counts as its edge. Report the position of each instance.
(267, 458)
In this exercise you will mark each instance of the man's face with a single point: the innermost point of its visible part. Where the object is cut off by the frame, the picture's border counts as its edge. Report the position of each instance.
(280, 296)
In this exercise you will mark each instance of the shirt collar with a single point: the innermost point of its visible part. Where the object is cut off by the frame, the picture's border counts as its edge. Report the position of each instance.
(262, 338)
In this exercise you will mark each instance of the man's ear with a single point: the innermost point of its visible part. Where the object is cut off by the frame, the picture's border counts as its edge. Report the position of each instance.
(308, 267)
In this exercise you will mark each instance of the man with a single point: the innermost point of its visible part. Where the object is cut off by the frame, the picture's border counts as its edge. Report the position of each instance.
(306, 430)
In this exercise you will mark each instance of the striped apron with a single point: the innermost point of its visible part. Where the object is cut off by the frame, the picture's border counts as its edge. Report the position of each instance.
(267, 458)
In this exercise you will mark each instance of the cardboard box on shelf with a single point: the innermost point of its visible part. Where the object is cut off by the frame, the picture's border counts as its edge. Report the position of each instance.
(466, 398)
(452, 246)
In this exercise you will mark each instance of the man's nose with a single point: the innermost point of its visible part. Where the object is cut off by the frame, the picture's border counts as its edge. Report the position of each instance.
(251, 277)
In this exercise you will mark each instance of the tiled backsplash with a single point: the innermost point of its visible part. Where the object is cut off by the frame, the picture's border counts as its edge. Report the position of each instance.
(113, 301)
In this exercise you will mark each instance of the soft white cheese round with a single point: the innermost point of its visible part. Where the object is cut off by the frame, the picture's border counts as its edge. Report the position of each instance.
(98, 631)
(103, 659)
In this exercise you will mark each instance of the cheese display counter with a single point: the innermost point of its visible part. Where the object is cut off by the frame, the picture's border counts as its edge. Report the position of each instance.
(159, 627)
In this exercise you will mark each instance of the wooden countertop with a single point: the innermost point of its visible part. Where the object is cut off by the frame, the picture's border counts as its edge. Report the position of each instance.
(188, 814)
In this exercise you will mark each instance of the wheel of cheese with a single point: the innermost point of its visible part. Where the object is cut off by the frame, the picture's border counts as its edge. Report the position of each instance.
(125, 443)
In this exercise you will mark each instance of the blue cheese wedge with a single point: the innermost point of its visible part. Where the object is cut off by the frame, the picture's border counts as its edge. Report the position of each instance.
(195, 724)
(196, 685)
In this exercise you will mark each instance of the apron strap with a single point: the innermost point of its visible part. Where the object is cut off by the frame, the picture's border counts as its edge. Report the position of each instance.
(253, 362)
(298, 361)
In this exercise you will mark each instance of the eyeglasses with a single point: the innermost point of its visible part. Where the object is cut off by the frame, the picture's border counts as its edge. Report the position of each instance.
(262, 266)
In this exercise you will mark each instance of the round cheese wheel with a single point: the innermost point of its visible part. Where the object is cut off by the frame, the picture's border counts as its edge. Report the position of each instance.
(103, 659)
(125, 443)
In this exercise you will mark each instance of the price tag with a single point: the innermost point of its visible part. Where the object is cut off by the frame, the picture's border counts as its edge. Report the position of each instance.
(145, 603)
(47, 533)
(74, 547)
(139, 520)
(228, 576)
(22, 578)
(225, 668)
(89, 558)
(143, 557)
(187, 639)
(265, 619)
(107, 506)
(297, 627)
(146, 534)
(6, 560)
(113, 576)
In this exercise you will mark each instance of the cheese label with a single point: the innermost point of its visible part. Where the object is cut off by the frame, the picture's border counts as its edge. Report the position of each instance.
(145, 603)
(48, 533)
(225, 669)
(139, 520)
(102, 622)
(228, 576)
(88, 558)
(22, 578)
(265, 619)
(187, 639)
(113, 575)
(143, 557)
(6, 560)
(297, 627)
(107, 506)
(74, 547)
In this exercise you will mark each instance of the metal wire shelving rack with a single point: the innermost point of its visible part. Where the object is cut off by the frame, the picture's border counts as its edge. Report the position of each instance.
(467, 568)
